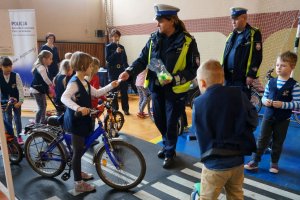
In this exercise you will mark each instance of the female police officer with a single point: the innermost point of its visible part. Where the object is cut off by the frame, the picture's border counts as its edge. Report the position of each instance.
(178, 51)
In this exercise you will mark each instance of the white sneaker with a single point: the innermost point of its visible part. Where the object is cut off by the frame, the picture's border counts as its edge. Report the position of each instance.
(81, 186)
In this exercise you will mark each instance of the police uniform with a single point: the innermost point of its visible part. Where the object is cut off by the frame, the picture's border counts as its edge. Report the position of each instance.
(168, 100)
(242, 55)
(116, 64)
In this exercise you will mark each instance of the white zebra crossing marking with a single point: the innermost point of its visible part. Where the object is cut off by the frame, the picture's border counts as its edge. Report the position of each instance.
(171, 191)
(255, 195)
(145, 195)
(181, 181)
(53, 198)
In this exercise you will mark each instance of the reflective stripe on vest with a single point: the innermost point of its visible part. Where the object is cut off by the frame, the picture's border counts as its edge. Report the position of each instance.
(146, 82)
(179, 66)
(252, 32)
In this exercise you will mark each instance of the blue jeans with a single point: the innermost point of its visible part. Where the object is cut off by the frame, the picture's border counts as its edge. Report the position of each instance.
(17, 117)
(143, 95)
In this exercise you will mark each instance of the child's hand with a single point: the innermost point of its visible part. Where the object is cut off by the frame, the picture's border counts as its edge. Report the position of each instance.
(268, 103)
(277, 104)
(84, 111)
(115, 83)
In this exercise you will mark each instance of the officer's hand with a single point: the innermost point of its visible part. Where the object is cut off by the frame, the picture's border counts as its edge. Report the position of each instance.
(165, 82)
(249, 80)
(277, 104)
(124, 76)
(84, 111)
(115, 83)
(268, 103)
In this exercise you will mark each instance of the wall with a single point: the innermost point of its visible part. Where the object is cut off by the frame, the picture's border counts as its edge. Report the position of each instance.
(70, 20)
(210, 24)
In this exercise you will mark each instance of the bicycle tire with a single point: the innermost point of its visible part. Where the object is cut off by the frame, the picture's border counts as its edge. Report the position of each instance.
(193, 96)
(15, 152)
(256, 101)
(34, 146)
(118, 124)
(133, 166)
(297, 116)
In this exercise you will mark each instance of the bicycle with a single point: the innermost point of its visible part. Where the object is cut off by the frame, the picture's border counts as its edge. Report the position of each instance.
(114, 119)
(15, 151)
(48, 151)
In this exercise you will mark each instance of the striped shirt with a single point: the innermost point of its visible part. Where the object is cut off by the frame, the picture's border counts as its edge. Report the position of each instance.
(294, 104)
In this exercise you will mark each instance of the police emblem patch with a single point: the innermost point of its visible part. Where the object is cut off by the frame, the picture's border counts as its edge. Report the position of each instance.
(258, 46)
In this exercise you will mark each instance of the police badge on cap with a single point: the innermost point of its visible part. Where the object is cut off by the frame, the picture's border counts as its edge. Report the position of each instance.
(165, 10)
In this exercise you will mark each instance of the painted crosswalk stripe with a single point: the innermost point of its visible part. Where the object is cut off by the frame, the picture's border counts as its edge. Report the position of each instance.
(255, 195)
(274, 190)
(53, 198)
(145, 195)
(181, 181)
(171, 191)
(191, 173)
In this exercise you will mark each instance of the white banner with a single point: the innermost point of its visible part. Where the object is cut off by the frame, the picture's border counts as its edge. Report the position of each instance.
(6, 44)
(24, 35)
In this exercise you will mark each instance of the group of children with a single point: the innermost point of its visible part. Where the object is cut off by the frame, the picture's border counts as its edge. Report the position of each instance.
(224, 121)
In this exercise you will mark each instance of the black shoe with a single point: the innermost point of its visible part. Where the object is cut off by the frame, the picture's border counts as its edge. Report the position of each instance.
(126, 113)
(161, 153)
(168, 162)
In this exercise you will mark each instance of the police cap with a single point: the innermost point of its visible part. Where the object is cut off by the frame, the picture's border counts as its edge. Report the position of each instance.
(237, 11)
(165, 10)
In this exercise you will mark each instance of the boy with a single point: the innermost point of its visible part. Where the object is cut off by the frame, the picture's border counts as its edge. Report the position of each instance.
(12, 87)
(281, 96)
(224, 120)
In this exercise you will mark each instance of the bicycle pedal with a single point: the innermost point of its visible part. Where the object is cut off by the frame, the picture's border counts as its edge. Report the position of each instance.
(65, 176)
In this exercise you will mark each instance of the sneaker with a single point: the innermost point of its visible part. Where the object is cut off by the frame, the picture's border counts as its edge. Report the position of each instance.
(20, 140)
(81, 186)
(86, 176)
(274, 168)
(126, 112)
(252, 166)
(140, 115)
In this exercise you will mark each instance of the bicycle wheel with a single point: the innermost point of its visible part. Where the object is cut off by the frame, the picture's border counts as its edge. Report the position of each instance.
(297, 116)
(256, 101)
(131, 161)
(193, 96)
(49, 164)
(15, 152)
(119, 119)
(150, 109)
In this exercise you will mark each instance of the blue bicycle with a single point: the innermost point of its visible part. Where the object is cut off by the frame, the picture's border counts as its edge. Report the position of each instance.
(48, 151)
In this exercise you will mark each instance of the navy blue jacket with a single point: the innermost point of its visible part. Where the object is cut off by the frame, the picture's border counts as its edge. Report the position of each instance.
(79, 125)
(38, 82)
(168, 50)
(116, 62)
(9, 89)
(283, 94)
(60, 86)
(242, 53)
(224, 121)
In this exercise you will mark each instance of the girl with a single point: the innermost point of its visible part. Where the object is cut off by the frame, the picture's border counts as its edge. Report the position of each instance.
(60, 82)
(77, 98)
(40, 83)
(143, 93)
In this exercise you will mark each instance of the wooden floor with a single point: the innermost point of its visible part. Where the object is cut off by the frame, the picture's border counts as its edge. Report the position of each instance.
(141, 128)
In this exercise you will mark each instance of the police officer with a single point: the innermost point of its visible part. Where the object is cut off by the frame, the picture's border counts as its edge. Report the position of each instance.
(116, 59)
(178, 51)
(243, 52)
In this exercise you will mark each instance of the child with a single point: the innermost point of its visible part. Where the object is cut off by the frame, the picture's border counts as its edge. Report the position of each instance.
(224, 120)
(143, 93)
(41, 83)
(281, 96)
(77, 98)
(68, 55)
(12, 87)
(60, 82)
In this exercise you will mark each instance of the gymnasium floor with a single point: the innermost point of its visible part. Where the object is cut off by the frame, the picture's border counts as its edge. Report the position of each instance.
(159, 183)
